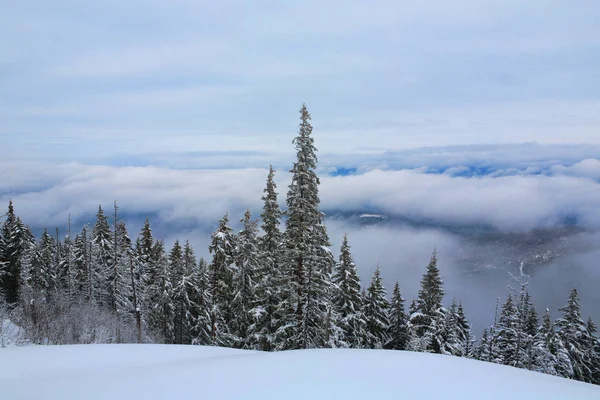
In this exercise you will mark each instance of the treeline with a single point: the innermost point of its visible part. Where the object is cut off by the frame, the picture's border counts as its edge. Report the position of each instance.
(264, 288)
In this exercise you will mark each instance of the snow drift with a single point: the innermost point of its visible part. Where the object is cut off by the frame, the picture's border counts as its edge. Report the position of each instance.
(194, 372)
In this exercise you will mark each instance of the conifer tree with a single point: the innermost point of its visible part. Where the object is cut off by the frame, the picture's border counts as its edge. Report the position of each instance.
(481, 350)
(551, 357)
(185, 296)
(34, 276)
(507, 332)
(143, 248)
(15, 241)
(205, 320)
(449, 336)
(427, 322)
(594, 351)
(398, 330)
(347, 300)
(48, 265)
(161, 311)
(222, 247)
(247, 267)
(376, 313)
(64, 273)
(309, 262)
(118, 274)
(464, 334)
(179, 292)
(575, 337)
(269, 306)
(81, 266)
(120, 283)
(102, 259)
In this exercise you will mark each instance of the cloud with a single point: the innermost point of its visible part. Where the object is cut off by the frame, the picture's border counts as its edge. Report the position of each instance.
(389, 75)
(504, 201)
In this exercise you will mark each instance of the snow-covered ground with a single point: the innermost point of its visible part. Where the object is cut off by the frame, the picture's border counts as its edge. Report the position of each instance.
(193, 372)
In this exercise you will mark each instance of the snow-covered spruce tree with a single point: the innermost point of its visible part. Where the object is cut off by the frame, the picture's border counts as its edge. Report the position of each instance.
(102, 259)
(550, 356)
(176, 270)
(185, 294)
(376, 308)
(161, 310)
(449, 337)
(81, 266)
(506, 332)
(64, 273)
(204, 322)
(222, 247)
(35, 265)
(347, 300)
(398, 329)
(308, 261)
(464, 332)
(481, 349)
(120, 279)
(14, 238)
(143, 248)
(428, 319)
(529, 323)
(594, 349)
(47, 246)
(247, 264)
(146, 262)
(575, 337)
(266, 312)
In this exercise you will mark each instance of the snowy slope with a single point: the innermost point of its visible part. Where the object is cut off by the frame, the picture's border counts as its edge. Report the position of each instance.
(193, 372)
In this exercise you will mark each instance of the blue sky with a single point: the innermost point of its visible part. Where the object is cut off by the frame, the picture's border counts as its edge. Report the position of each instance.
(91, 79)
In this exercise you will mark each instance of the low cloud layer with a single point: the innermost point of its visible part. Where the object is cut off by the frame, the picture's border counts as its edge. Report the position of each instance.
(553, 192)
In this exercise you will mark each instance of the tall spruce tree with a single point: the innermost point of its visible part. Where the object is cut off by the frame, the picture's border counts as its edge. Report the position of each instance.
(427, 322)
(550, 355)
(102, 259)
(204, 322)
(267, 311)
(81, 266)
(222, 247)
(143, 247)
(247, 263)
(575, 336)
(120, 280)
(398, 329)
(594, 350)
(465, 337)
(507, 332)
(347, 300)
(177, 275)
(185, 296)
(376, 308)
(161, 312)
(118, 275)
(13, 247)
(65, 266)
(309, 262)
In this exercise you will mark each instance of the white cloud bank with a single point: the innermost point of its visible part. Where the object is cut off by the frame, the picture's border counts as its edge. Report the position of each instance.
(45, 195)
